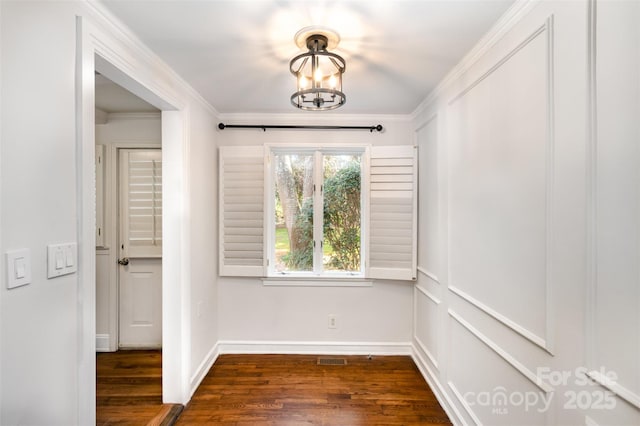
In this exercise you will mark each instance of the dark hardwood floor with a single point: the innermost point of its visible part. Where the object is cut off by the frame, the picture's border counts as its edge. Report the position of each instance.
(295, 390)
(269, 390)
(129, 389)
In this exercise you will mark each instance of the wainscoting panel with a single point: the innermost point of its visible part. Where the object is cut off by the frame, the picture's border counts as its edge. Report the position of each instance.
(427, 324)
(502, 389)
(613, 310)
(500, 183)
(428, 213)
(514, 252)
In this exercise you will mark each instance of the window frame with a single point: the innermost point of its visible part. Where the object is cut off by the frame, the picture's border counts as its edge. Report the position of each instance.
(318, 151)
(389, 239)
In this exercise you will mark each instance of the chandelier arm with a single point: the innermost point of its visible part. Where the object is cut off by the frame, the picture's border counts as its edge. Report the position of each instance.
(340, 68)
(304, 55)
(304, 62)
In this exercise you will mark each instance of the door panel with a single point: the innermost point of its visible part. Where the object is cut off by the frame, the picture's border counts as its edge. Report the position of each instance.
(141, 303)
(140, 248)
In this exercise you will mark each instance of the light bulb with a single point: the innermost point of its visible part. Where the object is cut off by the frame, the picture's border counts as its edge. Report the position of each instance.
(333, 82)
(303, 82)
(318, 75)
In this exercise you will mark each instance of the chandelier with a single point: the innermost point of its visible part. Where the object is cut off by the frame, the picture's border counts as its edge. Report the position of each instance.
(318, 72)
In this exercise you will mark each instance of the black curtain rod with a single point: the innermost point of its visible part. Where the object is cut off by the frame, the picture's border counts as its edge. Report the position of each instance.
(264, 128)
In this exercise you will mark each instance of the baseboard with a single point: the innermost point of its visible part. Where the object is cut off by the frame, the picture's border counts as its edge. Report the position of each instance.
(102, 343)
(439, 391)
(203, 369)
(319, 348)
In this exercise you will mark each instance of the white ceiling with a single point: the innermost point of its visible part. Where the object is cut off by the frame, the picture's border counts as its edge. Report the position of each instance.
(236, 53)
(111, 97)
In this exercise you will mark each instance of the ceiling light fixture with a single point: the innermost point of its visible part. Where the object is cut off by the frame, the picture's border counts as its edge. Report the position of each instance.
(318, 72)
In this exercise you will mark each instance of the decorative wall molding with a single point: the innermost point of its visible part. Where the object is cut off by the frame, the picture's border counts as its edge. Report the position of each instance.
(545, 342)
(428, 274)
(588, 421)
(541, 29)
(527, 334)
(624, 393)
(464, 403)
(517, 365)
(426, 351)
(441, 395)
(417, 340)
(593, 217)
(592, 189)
(324, 348)
(511, 17)
(549, 189)
(431, 119)
(425, 123)
(203, 368)
(428, 294)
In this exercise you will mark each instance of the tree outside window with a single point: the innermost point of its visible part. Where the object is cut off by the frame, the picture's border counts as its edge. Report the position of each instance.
(338, 233)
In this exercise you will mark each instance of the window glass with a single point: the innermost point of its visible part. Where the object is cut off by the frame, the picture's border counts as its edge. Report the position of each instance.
(342, 213)
(293, 212)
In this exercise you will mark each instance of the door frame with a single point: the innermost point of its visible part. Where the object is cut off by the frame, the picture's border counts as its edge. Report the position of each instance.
(116, 199)
(113, 214)
(124, 61)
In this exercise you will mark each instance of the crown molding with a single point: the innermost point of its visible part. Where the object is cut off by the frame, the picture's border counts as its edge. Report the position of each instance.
(508, 20)
(98, 12)
(311, 118)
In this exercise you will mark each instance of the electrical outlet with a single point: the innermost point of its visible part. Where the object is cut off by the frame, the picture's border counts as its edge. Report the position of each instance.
(333, 321)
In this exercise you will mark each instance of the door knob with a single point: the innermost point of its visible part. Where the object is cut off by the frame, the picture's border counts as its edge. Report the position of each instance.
(124, 261)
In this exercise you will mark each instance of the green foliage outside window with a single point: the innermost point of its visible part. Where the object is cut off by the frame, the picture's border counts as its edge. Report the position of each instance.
(341, 224)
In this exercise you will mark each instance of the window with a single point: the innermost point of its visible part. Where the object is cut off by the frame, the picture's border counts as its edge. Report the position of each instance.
(317, 211)
(322, 212)
(141, 205)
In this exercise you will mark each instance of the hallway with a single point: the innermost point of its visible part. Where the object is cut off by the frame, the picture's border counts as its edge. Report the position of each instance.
(129, 389)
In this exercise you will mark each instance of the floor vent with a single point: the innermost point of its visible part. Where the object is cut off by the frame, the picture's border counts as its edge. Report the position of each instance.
(332, 361)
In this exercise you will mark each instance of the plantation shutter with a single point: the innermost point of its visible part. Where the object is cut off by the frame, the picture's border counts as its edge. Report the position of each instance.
(142, 207)
(393, 218)
(242, 215)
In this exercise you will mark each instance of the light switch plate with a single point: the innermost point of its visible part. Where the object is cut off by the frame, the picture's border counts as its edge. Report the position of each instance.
(62, 259)
(18, 267)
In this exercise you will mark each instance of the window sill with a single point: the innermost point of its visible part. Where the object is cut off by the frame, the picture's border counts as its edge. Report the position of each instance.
(316, 282)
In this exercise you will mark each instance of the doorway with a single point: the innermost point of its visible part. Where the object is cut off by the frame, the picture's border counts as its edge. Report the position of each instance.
(128, 132)
(128, 136)
(98, 51)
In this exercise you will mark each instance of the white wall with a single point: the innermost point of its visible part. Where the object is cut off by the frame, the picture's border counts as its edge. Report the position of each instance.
(203, 208)
(39, 321)
(47, 327)
(259, 318)
(613, 289)
(524, 217)
(120, 130)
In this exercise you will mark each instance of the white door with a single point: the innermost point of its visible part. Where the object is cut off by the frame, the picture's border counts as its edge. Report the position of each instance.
(140, 248)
